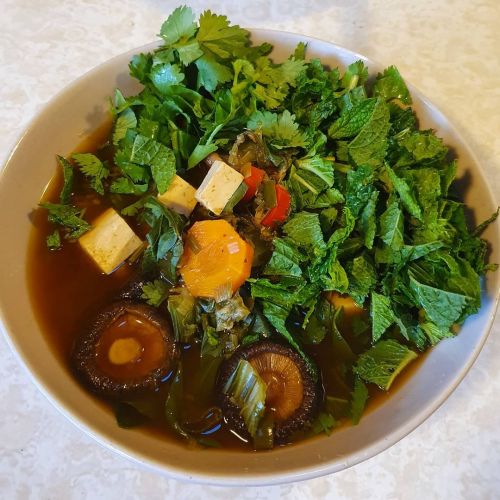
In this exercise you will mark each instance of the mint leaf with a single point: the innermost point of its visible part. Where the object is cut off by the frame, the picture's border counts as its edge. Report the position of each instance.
(404, 192)
(359, 396)
(434, 333)
(390, 85)
(160, 159)
(369, 146)
(285, 260)
(382, 363)
(325, 422)
(352, 120)
(441, 307)
(391, 226)
(305, 230)
(362, 278)
(381, 314)
(368, 221)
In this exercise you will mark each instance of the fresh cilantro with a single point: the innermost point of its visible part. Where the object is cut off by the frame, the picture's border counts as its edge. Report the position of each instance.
(281, 129)
(325, 422)
(93, 168)
(54, 240)
(155, 292)
(69, 217)
(68, 177)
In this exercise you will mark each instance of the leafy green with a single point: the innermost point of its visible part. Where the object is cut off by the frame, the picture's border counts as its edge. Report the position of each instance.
(390, 85)
(325, 422)
(359, 397)
(248, 391)
(383, 362)
(381, 315)
(155, 292)
(68, 178)
(69, 217)
(182, 310)
(93, 168)
(281, 129)
(54, 240)
(369, 146)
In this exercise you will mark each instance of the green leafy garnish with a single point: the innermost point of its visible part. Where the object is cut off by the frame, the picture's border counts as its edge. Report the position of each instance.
(382, 363)
(68, 217)
(93, 168)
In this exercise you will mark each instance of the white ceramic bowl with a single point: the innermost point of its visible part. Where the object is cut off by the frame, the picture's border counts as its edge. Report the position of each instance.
(64, 122)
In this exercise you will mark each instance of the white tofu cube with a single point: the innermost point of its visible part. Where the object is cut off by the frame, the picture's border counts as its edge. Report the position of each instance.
(218, 186)
(179, 196)
(110, 241)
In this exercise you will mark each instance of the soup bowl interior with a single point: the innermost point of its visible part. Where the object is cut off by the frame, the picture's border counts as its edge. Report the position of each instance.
(65, 122)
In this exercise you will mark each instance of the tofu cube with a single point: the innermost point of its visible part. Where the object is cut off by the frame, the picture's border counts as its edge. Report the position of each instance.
(110, 241)
(179, 196)
(218, 186)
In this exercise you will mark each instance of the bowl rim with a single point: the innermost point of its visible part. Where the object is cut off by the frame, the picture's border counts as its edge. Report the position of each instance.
(257, 479)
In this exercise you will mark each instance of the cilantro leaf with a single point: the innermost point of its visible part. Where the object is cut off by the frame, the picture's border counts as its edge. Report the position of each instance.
(68, 177)
(93, 168)
(281, 129)
(155, 292)
(324, 422)
(211, 73)
(216, 36)
(54, 240)
(126, 120)
(164, 75)
(68, 217)
(180, 24)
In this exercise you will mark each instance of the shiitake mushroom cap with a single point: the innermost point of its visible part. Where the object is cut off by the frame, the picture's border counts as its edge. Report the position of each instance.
(155, 362)
(301, 418)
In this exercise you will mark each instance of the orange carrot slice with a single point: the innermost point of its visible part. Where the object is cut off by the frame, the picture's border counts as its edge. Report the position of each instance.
(216, 260)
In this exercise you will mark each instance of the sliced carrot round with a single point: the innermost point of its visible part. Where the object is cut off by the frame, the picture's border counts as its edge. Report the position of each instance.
(216, 260)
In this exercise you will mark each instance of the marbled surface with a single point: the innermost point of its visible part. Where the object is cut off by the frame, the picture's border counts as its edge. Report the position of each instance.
(449, 49)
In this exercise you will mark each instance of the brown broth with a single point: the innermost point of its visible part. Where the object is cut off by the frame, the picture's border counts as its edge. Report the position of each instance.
(67, 289)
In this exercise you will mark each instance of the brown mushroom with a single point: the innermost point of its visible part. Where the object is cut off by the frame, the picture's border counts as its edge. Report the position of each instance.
(128, 350)
(293, 397)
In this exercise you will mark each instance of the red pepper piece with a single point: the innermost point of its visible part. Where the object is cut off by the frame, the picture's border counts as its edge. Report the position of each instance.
(279, 213)
(253, 181)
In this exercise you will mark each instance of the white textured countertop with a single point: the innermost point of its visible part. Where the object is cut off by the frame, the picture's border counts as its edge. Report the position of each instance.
(450, 50)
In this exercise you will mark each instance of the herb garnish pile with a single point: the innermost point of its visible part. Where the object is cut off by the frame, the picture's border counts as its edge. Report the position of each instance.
(373, 212)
